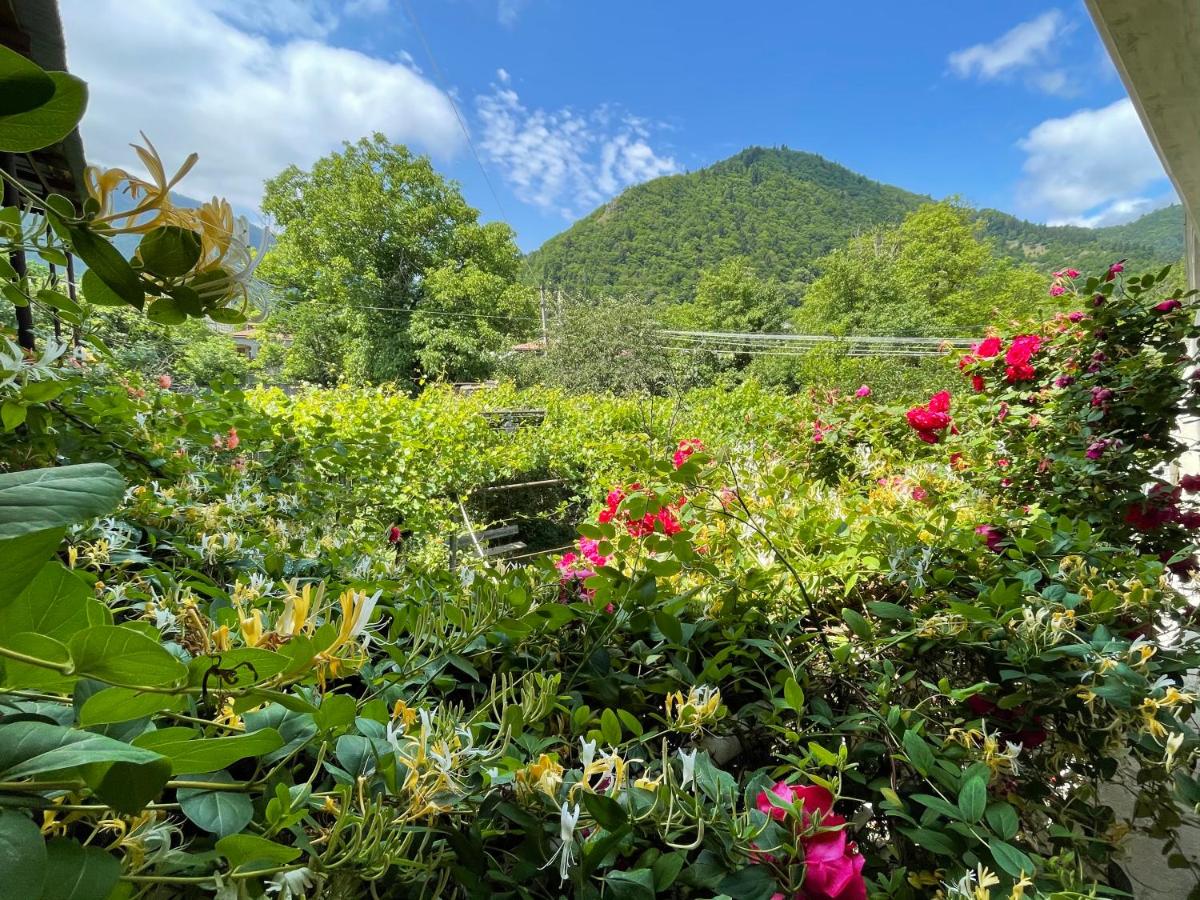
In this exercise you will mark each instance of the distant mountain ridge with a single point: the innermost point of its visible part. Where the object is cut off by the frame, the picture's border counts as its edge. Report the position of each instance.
(784, 210)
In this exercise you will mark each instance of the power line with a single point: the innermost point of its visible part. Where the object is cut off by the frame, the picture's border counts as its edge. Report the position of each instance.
(437, 71)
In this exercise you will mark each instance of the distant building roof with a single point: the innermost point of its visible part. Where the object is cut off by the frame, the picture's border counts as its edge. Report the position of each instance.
(530, 347)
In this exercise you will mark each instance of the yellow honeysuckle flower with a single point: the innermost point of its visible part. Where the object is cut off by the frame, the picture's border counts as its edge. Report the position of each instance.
(404, 713)
(104, 184)
(296, 608)
(545, 775)
(252, 628)
(220, 639)
(1018, 890)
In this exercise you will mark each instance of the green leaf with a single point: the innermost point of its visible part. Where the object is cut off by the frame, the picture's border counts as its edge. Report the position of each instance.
(22, 855)
(881, 609)
(937, 804)
(166, 311)
(43, 391)
(49, 122)
(97, 293)
(38, 499)
(121, 655)
(31, 748)
(793, 694)
(1002, 819)
(860, 626)
(918, 752)
(79, 873)
(218, 812)
(56, 300)
(210, 754)
(337, 711)
(109, 265)
(669, 626)
(118, 704)
(12, 414)
(610, 727)
(632, 884)
(972, 799)
(1010, 859)
(169, 251)
(243, 849)
(24, 85)
(666, 869)
(30, 676)
(606, 811)
(23, 560)
(55, 604)
(227, 315)
(125, 786)
(931, 840)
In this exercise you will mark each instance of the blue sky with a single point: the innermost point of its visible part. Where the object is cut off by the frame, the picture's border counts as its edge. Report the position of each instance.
(567, 102)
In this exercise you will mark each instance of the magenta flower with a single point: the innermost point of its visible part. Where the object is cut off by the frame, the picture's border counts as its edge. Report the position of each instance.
(864, 391)
(1057, 290)
(1072, 273)
(1167, 306)
(991, 536)
(780, 790)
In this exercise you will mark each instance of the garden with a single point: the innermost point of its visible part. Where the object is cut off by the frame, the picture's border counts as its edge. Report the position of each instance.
(827, 646)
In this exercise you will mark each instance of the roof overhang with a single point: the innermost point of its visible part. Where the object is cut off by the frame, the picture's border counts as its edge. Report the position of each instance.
(1155, 45)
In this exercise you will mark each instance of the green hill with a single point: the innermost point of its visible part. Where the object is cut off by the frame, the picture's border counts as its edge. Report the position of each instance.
(785, 210)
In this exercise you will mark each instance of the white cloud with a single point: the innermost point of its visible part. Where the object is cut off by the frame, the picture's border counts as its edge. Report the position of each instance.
(1093, 167)
(194, 79)
(563, 160)
(1020, 50)
(508, 10)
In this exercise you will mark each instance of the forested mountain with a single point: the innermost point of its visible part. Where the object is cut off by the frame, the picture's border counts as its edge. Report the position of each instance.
(783, 210)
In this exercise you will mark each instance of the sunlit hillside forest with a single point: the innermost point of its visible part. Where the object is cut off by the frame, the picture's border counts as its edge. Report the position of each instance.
(380, 561)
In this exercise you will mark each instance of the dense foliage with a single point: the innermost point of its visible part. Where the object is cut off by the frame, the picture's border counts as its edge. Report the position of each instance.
(818, 647)
(386, 273)
(785, 210)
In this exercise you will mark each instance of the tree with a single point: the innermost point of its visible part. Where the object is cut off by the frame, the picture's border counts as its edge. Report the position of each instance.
(385, 269)
(932, 275)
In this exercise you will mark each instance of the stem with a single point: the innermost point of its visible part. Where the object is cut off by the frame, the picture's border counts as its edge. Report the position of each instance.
(66, 668)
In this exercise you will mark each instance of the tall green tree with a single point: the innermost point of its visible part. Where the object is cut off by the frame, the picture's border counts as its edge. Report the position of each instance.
(933, 275)
(386, 272)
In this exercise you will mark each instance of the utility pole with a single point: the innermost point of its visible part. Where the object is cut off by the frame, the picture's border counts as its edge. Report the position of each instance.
(542, 304)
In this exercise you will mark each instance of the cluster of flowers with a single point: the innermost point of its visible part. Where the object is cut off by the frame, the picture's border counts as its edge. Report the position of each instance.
(665, 520)
(1161, 507)
(686, 448)
(1058, 288)
(1017, 365)
(932, 419)
(832, 864)
(576, 568)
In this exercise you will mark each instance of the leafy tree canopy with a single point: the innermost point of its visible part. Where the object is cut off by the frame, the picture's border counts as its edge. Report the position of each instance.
(385, 270)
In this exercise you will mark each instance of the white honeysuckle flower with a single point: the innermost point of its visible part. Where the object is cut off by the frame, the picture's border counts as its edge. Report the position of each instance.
(1012, 751)
(587, 752)
(689, 766)
(291, 885)
(364, 614)
(565, 854)
(1174, 742)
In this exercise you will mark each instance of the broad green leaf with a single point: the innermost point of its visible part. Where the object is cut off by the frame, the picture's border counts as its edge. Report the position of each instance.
(56, 604)
(227, 315)
(861, 627)
(59, 301)
(1010, 859)
(337, 711)
(125, 786)
(122, 656)
(972, 799)
(108, 264)
(669, 626)
(605, 810)
(918, 752)
(248, 665)
(881, 609)
(118, 704)
(243, 850)
(97, 293)
(210, 754)
(22, 855)
(218, 812)
(610, 727)
(43, 391)
(169, 251)
(935, 841)
(48, 123)
(631, 884)
(166, 311)
(793, 694)
(24, 85)
(40, 499)
(79, 873)
(12, 414)
(31, 748)
(937, 804)
(1002, 819)
(30, 676)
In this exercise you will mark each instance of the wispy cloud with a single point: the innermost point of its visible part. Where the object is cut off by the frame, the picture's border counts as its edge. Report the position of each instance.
(564, 160)
(1093, 167)
(250, 97)
(1021, 51)
(507, 11)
